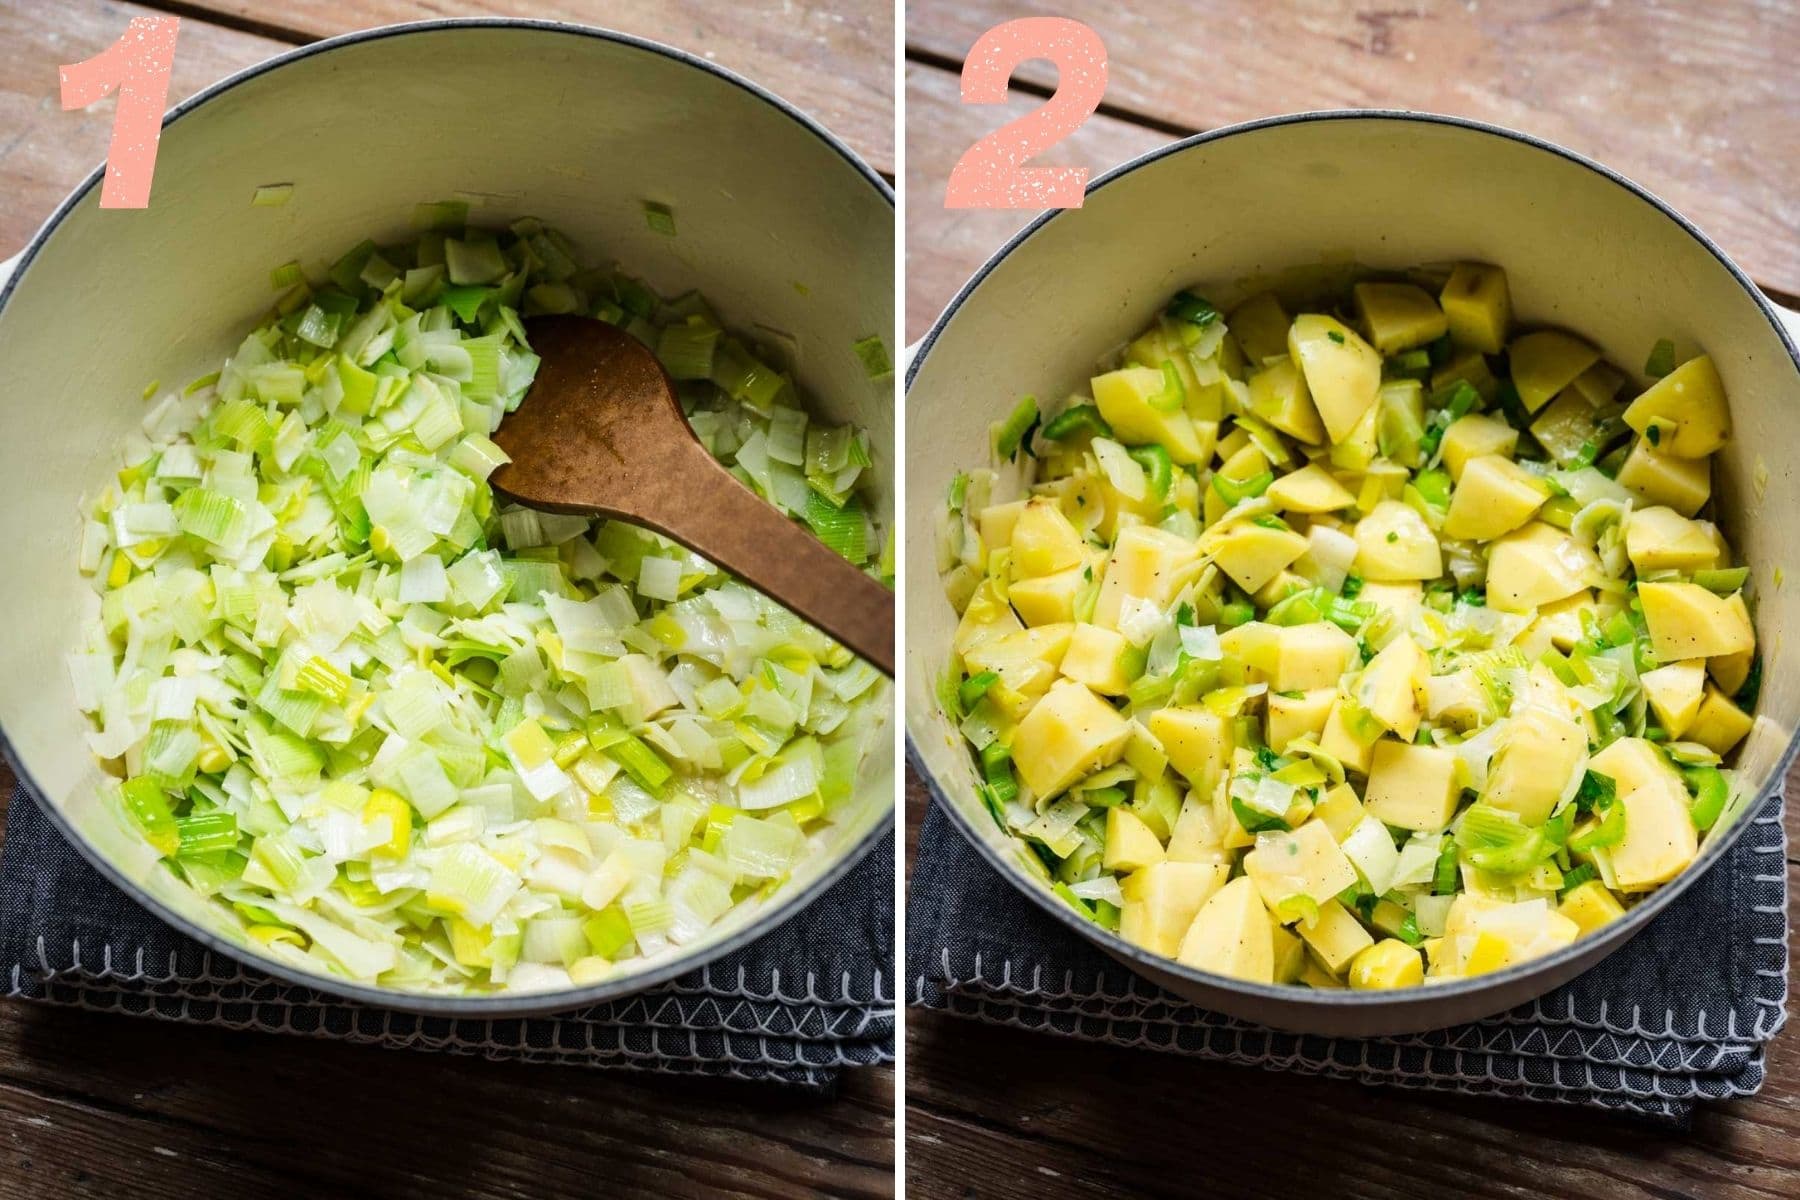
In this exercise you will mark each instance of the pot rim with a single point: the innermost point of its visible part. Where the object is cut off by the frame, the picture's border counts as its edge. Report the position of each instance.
(1142, 960)
(501, 1004)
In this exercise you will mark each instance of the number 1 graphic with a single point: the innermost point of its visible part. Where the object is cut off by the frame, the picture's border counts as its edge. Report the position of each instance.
(138, 67)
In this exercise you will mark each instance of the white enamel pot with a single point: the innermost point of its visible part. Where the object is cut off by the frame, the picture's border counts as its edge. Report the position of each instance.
(1582, 247)
(779, 224)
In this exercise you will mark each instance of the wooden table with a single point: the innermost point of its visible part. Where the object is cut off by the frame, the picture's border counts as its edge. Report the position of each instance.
(109, 1106)
(1696, 101)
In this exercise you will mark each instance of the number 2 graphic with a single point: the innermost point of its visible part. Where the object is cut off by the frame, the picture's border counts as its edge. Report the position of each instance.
(138, 67)
(991, 173)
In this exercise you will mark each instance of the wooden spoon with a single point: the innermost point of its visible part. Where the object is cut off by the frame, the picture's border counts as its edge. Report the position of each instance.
(601, 434)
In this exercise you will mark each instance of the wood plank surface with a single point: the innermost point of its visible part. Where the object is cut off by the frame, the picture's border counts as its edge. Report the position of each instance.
(1696, 101)
(995, 1113)
(108, 1106)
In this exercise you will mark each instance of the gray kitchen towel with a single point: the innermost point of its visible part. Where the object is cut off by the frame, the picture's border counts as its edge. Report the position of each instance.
(798, 1006)
(1680, 1014)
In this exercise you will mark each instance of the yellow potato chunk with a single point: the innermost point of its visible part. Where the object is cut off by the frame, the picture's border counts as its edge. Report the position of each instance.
(1310, 656)
(987, 616)
(1477, 306)
(1336, 937)
(1484, 934)
(1536, 566)
(1291, 717)
(1546, 362)
(1147, 563)
(1468, 366)
(1197, 740)
(1687, 621)
(1311, 489)
(1661, 539)
(1278, 395)
(1389, 963)
(1124, 397)
(996, 523)
(1693, 399)
(1392, 686)
(1398, 316)
(1026, 661)
(1290, 955)
(1591, 906)
(1393, 543)
(1048, 599)
(1494, 497)
(1253, 554)
(1719, 724)
(1096, 658)
(1044, 541)
(1730, 671)
(1130, 844)
(1342, 371)
(1659, 834)
(1261, 327)
(1232, 935)
(1674, 693)
(1532, 767)
(1340, 810)
(1069, 734)
(1161, 900)
(1412, 787)
(1353, 747)
(1476, 436)
(1306, 862)
(1657, 478)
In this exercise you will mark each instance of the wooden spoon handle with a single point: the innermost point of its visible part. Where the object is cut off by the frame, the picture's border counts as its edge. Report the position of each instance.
(724, 521)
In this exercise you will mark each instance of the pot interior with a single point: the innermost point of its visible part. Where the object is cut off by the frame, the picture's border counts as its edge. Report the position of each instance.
(779, 226)
(1233, 213)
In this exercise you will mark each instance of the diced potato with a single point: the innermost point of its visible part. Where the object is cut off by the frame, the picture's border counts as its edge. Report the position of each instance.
(1401, 599)
(1253, 554)
(1340, 810)
(1531, 770)
(1278, 395)
(1538, 565)
(1392, 686)
(1130, 845)
(987, 616)
(1096, 657)
(1261, 327)
(1389, 963)
(1124, 397)
(1069, 734)
(1475, 436)
(1731, 671)
(1477, 306)
(1687, 621)
(996, 523)
(1044, 541)
(1354, 748)
(1565, 425)
(1600, 383)
(1161, 900)
(1311, 489)
(1244, 462)
(1657, 478)
(1659, 834)
(1147, 563)
(1719, 724)
(1494, 497)
(1399, 316)
(1412, 787)
(1154, 347)
(1483, 934)
(1356, 450)
(1336, 937)
(1674, 693)
(1049, 599)
(1232, 935)
(1250, 652)
(1313, 655)
(1343, 372)
(1591, 906)
(1197, 740)
(1661, 539)
(1026, 661)
(1467, 366)
(1693, 399)
(1290, 955)
(1306, 862)
(1292, 716)
(1394, 543)
(1546, 362)
(1196, 838)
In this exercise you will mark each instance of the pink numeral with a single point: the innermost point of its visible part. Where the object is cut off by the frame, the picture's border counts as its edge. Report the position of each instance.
(991, 173)
(138, 67)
